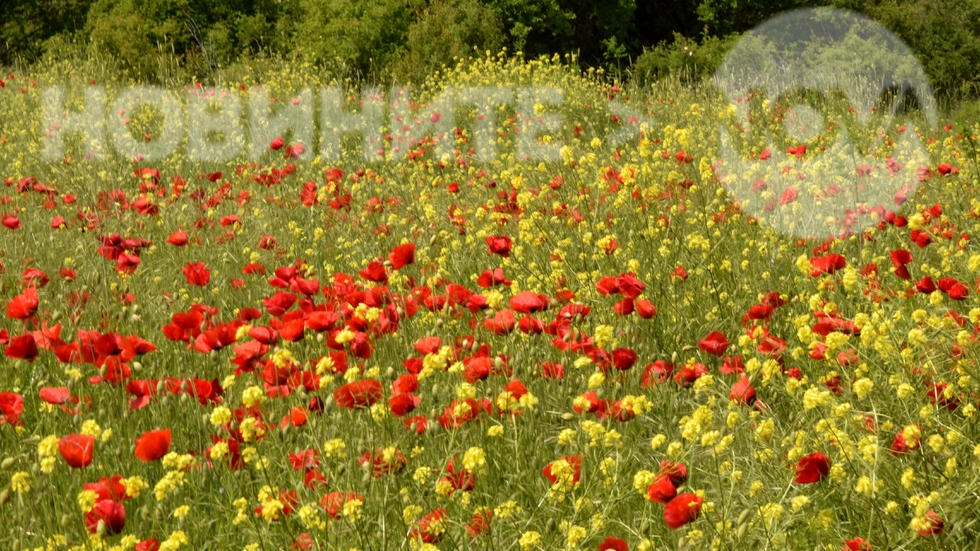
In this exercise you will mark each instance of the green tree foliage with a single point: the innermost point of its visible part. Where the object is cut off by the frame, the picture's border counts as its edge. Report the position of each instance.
(445, 30)
(380, 40)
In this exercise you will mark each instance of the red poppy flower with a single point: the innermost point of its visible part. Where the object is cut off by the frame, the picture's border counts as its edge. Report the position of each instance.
(359, 394)
(480, 523)
(76, 449)
(430, 528)
(402, 255)
(148, 545)
(197, 273)
(527, 302)
(662, 490)
(405, 384)
(687, 373)
(499, 244)
(306, 459)
(417, 424)
(827, 264)
(812, 468)
(110, 513)
(677, 472)
(23, 347)
(23, 305)
(900, 258)
(732, 365)
(375, 272)
(381, 465)
(178, 238)
(108, 488)
(428, 345)
(334, 502)
(127, 263)
(655, 373)
(403, 403)
(933, 524)
(11, 222)
(624, 358)
(901, 446)
(575, 461)
(856, 544)
(501, 323)
(11, 406)
(645, 308)
(613, 544)
(153, 445)
(715, 343)
(743, 392)
(682, 510)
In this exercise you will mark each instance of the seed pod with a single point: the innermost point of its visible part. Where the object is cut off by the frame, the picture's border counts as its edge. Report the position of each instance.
(4, 496)
(438, 322)
(550, 527)
(673, 357)
(567, 416)
(432, 241)
(319, 337)
(66, 521)
(744, 516)
(742, 530)
(8, 463)
(138, 366)
(390, 372)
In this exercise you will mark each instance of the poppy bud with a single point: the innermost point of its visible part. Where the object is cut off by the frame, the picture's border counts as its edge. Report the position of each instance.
(4, 496)
(7, 464)
(66, 521)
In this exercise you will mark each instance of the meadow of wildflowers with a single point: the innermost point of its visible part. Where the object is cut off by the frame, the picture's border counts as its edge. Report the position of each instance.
(465, 351)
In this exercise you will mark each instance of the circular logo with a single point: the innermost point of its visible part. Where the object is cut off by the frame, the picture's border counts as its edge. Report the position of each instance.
(821, 136)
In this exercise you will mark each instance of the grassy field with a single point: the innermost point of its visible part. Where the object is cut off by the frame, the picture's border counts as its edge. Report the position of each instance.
(464, 351)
